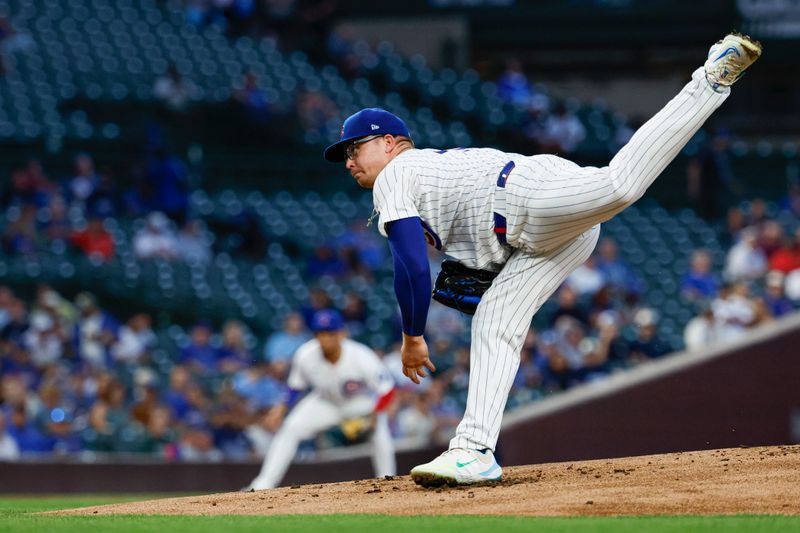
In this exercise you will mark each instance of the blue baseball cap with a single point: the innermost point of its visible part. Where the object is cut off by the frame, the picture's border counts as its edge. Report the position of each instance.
(370, 121)
(327, 320)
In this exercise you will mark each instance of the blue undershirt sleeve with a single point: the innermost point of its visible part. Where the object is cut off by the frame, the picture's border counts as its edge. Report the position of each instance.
(412, 274)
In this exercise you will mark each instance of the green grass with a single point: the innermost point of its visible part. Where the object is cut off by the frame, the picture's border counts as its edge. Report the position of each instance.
(17, 514)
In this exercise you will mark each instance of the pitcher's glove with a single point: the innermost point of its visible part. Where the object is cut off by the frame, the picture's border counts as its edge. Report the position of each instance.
(461, 287)
(358, 429)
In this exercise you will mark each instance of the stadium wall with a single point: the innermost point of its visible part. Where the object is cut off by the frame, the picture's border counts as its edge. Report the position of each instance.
(742, 394)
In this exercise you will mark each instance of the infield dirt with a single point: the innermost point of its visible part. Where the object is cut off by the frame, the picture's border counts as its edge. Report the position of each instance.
(762, 480)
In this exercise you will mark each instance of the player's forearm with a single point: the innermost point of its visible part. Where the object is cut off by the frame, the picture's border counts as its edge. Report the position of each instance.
(412, 277)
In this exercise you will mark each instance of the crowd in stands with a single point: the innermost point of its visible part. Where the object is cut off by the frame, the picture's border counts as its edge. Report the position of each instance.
(78, 379)
(760, 280)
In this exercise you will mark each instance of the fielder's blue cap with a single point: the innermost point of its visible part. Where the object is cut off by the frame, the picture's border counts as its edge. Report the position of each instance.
(327, 320)
(369, 121)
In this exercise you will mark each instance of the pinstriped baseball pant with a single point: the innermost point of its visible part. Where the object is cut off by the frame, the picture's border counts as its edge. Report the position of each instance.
(553, 209)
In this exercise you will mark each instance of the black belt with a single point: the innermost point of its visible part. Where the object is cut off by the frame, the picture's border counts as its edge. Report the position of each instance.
(500, 220)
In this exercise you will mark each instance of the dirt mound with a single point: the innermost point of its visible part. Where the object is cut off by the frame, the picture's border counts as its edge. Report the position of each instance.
(764, 480)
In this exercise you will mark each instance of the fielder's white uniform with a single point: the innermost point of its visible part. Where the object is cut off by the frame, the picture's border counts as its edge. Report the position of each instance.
(553, 209)
(350, 388)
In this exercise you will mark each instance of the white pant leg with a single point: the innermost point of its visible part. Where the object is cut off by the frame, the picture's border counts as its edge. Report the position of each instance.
(383, 460)
(498, 331)
(551, 200)
(310, 416)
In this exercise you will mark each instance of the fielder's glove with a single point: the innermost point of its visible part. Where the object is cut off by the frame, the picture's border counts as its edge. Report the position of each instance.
(358, 429)
(461, 287)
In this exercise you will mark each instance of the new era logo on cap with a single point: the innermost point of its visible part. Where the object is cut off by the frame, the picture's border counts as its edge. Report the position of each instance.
(374, 127)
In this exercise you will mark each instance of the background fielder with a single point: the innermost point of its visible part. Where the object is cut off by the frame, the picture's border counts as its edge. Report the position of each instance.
(347, 380)
(533, 219)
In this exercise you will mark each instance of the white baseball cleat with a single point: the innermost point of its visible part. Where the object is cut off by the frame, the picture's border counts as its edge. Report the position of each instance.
(729, 58)
(458, 466)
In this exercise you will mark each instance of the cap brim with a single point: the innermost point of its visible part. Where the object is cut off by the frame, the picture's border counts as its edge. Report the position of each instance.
(335, 152)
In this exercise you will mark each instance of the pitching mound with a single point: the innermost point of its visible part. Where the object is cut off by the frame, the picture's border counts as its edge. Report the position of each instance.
(763, 480)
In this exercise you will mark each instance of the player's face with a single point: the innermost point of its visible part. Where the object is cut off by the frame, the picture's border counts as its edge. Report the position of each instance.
(330, 341)
(369, 158)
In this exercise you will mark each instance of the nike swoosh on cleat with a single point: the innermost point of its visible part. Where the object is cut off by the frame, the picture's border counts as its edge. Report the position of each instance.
(727, 52)
(459, 464)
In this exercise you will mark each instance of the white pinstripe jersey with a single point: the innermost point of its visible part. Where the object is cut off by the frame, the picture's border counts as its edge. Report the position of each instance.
(358, 373)
(451, 191)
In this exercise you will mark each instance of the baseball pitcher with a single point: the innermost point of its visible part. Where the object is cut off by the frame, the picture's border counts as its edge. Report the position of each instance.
(515, 227)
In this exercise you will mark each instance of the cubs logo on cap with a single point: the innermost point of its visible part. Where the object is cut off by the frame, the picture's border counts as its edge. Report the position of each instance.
(369, 121)
(327, 320)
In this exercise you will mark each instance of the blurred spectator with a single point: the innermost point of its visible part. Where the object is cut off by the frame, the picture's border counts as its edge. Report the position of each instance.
(281, 345)
(192, 245)
(199, 355)
(21, 235)
(416, 423)
(325, 262)
(84, 182)
(787, 257)
(371, 250)
(734, 312)
(228, 418)
(11, 42)
(616, 272)
(570, 360)
(6, 302)
(27, 186)
(9, 450)
(258, 387)
(17, 323)
(757, 214)
(176, 397)
(45, 340)
(24, 431)
(136, 339)
(563, 131)
(711, 184)
(701, 331)
(103, 202)
(587, 279)
(700, 282)
(160, 436)
(791, 202)
(55, 416)
(775, 299)
(233, 355)
(95, 332)
(51, 304)
(95, 241)
(745, 260)
(55, 224)
(735, 222)
(444, 322)
(253, 100)
(354, 313)
(315, 111)
(792, 285)
(145, 394)
(568, 306)
(168, 180)
(155, 240)
(771, 239)
(513, 86)
(173, 90)
(17, 362)
(197, 444)
(647, 344)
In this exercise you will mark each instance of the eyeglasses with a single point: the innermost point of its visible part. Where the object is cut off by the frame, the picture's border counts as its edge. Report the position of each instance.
(352, 149)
